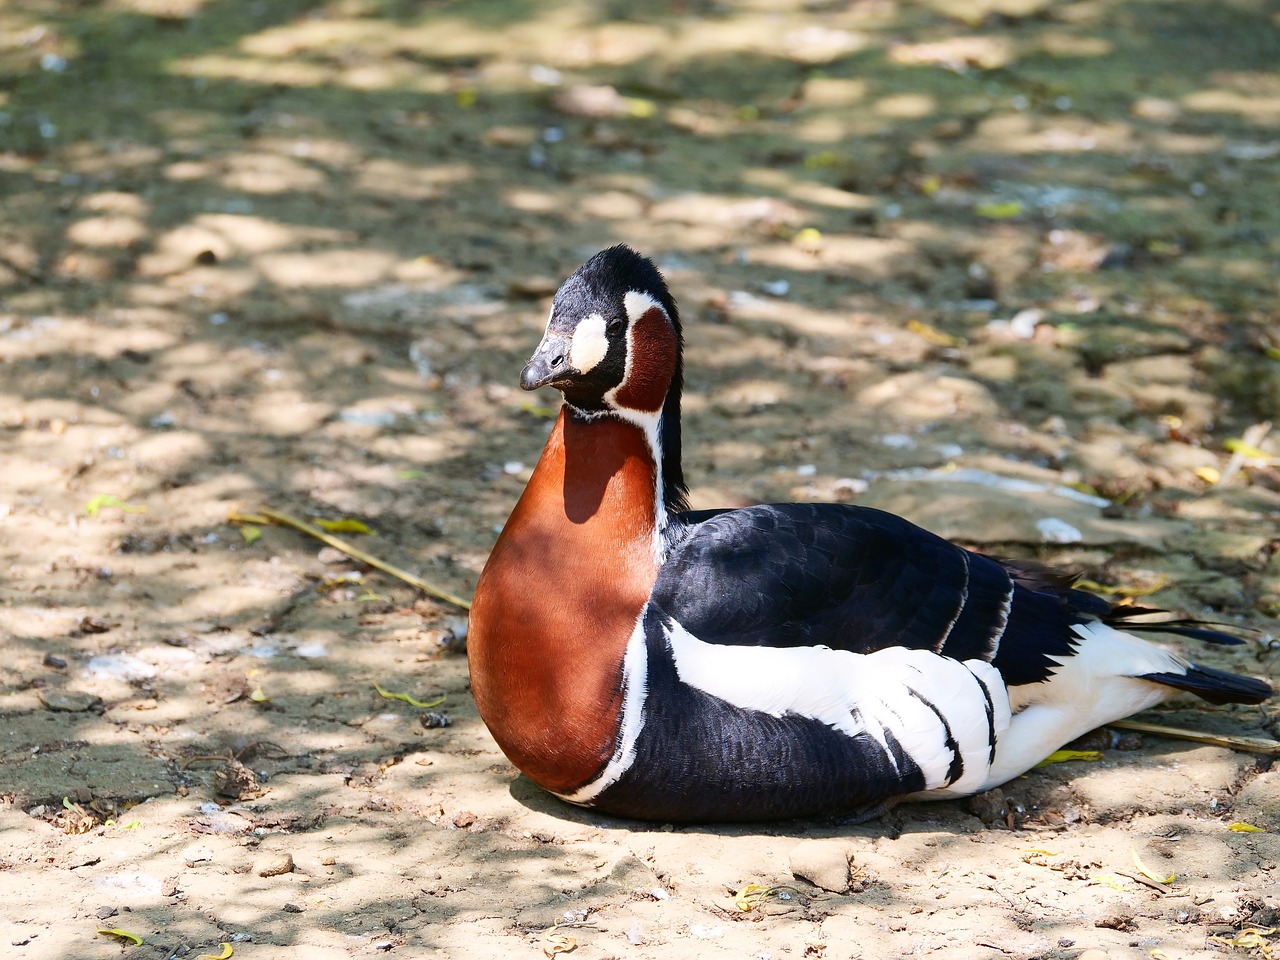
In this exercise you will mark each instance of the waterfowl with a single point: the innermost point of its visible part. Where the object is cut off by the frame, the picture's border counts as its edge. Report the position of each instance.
(776, 661)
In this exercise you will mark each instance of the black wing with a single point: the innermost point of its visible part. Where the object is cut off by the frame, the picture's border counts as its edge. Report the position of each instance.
(858, 579)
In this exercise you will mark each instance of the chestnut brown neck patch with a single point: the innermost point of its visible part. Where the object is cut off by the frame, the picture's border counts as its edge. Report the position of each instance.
(651, 362)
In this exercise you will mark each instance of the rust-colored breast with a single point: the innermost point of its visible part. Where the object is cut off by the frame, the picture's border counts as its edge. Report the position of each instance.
(559, 598)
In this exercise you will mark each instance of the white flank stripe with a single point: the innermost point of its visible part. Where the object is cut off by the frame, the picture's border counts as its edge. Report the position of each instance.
(815, 682)
(635, 689)
(971, 728)
(874, 694)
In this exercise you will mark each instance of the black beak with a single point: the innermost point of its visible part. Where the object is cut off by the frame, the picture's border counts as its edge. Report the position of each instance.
(549, 363)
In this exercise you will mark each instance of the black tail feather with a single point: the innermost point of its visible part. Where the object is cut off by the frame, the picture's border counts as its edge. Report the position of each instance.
(1215, 686)
(1121, 617)
(1192, 629)
(1062, 585)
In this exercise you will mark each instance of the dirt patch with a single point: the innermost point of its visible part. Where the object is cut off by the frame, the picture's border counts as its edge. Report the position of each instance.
(1006, 268)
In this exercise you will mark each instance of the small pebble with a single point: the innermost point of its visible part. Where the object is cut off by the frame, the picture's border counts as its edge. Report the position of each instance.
(1024, 323)
(824, 863)
(68, 701)
(368, 418)
(547, 76)
(193, 855)
(273, 865)
(849, 486)
(292, 908)
(58, 663)
(1054, 530)
(450, 642)
(635, 934)
(124, 667)
(104, 912)
(328, 860)
(989, 807)
(532, 287)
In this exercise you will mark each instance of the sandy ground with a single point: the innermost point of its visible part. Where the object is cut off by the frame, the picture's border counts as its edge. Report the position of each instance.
(294, 254)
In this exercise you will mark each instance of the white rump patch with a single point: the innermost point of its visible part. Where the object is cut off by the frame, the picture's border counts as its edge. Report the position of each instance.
(637, 304)
(590, 343)
(1096, 685)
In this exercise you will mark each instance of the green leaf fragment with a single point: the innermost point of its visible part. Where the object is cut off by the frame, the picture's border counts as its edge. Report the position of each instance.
(345, 525)
(999, 211)
(1065, 756)
(405, 698)
(101, 500)
(122, 934)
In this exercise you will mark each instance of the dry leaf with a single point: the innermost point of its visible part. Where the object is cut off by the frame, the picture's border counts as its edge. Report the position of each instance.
(1109, 880)
(558, 942)
(933, 335)
(1146, 871)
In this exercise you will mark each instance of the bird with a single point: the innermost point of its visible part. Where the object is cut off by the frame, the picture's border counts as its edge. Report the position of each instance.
(774, 661)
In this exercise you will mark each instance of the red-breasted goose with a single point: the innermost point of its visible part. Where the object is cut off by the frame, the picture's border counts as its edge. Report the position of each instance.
(776, 661)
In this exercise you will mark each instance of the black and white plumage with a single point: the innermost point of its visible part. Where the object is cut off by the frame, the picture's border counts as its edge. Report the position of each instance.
(774, 661)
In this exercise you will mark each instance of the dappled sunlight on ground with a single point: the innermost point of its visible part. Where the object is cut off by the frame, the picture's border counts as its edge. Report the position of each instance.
(988, 263)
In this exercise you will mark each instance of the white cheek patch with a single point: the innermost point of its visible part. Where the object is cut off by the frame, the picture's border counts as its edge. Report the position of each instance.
(637, 304)
(589, 343)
